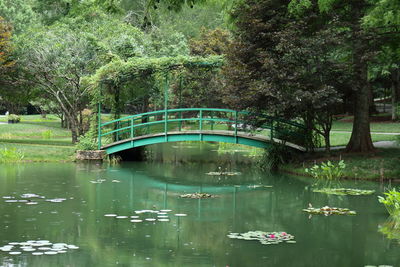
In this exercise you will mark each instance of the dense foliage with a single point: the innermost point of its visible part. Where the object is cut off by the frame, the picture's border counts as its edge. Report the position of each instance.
(5, 46)
(302, 58)
(297, 59)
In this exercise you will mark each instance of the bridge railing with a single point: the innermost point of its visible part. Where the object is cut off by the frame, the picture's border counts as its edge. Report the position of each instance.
(200, 119)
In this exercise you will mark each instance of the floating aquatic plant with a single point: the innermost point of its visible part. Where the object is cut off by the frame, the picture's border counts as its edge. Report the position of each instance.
(344, 191)
(98, 181)
(31, 195)
(36, 247)
(329, 211)
(26, 198)
(265, 238)
(162, 216)
(197, 195)
(259, 186)
(223, 173)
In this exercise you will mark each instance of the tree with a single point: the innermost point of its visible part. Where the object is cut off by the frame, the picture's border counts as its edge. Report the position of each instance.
(56, 59)
(384, 18)
(280, 66)
(5, 46)
(18, 13)
(348, 16)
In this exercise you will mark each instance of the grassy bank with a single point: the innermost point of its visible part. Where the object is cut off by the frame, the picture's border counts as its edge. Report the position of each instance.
(42, 153)
(38, 139)
(382, 165)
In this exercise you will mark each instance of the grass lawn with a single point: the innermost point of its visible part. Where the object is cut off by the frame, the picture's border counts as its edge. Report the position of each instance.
(38, 139)
(32, 126)
(45, 153)
(341, 139)
(385, 127)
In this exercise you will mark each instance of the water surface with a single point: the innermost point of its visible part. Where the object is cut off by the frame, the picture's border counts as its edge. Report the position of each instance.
(200, 238)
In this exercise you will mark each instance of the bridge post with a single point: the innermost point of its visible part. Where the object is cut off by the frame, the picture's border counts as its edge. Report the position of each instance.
(132, 129)
(272, 131)
(180, 121)
(99, 125)
(117, 133)
(212, 121)
(236, 127)
(201, 124)
(166, 87)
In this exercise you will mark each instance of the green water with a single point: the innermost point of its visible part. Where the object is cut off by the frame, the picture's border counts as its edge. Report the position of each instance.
(200, 238)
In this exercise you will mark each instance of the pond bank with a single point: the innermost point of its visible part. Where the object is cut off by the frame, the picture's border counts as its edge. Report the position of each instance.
(383, 165)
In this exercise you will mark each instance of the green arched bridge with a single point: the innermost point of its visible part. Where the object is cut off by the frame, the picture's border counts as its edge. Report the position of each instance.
(198, 124)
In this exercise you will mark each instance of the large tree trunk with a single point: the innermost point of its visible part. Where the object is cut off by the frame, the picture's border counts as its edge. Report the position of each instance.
(360, 140)
(73, 123)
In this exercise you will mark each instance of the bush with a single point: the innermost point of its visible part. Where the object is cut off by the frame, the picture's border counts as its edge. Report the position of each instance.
(47, 134)
(87, 142)
(13, 118)
(391, 202)
(327, 170)
(11, 155)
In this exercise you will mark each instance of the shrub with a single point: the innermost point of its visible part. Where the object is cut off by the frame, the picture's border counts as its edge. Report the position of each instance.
(391, 202)
(47, 134)
(327, 170)
(86, 119)
(11, 155)
(87, 142)
(13, 118)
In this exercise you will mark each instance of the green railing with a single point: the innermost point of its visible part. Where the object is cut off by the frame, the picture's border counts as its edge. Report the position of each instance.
(200, 119)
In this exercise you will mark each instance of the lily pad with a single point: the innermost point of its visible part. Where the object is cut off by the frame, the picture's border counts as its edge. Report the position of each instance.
(265, 238)
(329, 211)
(344, 191)
(197, 195)
(223, 173)
(31, 246)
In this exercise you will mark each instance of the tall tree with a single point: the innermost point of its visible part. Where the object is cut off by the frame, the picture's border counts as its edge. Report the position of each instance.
(354, 19)
(384, 18)
(5, 46)
(56, 59)
(283, 65)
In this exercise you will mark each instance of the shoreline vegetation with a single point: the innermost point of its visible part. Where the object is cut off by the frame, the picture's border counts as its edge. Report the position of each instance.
(43, 140)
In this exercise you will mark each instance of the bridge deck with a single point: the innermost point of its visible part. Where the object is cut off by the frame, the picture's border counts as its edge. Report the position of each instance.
(246, 135)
